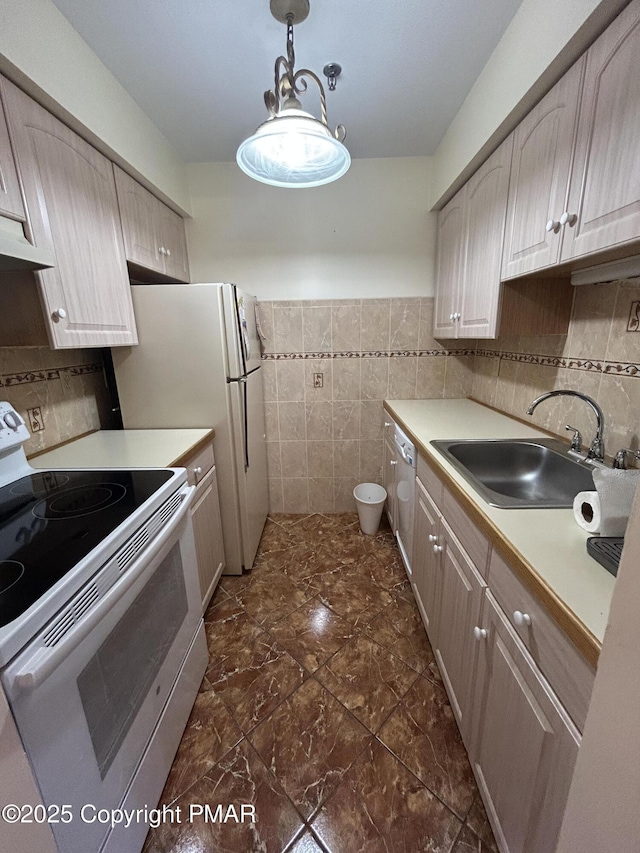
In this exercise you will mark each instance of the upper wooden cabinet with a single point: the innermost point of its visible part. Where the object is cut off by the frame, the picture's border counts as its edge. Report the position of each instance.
(540, 171)
(604, 198)
(449, 266)
(470, 235)
(10, 196)
(72, 211)
(154, 236)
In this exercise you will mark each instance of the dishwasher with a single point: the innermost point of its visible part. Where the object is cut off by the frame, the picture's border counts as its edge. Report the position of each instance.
(405, 495)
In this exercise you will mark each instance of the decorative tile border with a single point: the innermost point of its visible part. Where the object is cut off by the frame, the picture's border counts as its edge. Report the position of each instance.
(566, 362)
(431, 353)
(28, 377)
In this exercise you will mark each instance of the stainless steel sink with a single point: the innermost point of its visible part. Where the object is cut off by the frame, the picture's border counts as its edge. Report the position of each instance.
(519, 473)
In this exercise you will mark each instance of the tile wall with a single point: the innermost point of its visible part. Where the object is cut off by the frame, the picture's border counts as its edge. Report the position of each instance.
(66, 386)
(325, 439)
(600, 356)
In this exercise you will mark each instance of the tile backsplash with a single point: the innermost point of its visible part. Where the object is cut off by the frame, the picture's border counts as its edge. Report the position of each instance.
(600, 356)
(328, 365)
(65, 388)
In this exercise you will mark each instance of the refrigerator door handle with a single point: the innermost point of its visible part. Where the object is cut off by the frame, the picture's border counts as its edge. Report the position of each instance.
(246, 425)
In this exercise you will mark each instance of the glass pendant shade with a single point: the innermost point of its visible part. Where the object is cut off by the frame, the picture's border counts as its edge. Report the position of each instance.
(293, 149)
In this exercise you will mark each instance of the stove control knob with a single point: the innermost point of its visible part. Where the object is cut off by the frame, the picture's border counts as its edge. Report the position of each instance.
(13, 420)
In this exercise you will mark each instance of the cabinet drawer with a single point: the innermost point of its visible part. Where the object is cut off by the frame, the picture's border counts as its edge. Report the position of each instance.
(472, 540)
(431, 482)
(564, 667)
(198, 464)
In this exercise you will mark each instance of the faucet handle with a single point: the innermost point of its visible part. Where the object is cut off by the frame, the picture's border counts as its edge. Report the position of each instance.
(576, 441)
(620, 459)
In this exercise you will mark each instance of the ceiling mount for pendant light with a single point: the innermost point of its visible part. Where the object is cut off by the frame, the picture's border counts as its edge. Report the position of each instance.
(292, 148)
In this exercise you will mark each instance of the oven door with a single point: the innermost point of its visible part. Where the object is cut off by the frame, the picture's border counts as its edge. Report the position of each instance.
(87, 706)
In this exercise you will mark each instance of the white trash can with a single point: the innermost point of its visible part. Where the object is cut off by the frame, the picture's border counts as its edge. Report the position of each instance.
(370, 498)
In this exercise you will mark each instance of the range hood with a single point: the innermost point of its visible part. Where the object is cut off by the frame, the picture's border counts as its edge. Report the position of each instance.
(16, 253)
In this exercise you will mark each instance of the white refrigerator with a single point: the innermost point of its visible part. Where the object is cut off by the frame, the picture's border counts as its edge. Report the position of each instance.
(197, 364)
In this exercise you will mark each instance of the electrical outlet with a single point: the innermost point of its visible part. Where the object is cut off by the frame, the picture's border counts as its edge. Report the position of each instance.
(318, 380)
(36, 419)
(65, 379)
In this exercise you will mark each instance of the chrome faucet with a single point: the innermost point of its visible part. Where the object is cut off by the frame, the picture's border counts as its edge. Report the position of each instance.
(596, 449)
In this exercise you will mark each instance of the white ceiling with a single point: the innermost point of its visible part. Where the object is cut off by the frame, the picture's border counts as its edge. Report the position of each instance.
(198, 68)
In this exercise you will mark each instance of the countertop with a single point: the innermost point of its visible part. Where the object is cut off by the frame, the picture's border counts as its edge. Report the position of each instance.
(546, 545)
(128, 448)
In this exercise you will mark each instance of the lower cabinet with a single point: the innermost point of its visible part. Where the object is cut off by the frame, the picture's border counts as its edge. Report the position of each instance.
(460, 602)
(522, 741)
(205, 516)
(524, 746)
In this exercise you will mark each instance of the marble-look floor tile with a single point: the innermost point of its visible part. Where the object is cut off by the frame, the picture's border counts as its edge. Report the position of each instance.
(270, 597)
(312, 633)
(306, 844)
(275, 536)
(308, 743)
(264, 675)
(229, 632)
(239, 778)
(351, 595)
(382, 808)
(478, 822)
(423, 734)
(367, 679)
(468, 842)
(384, 570)
(210, 733)
(399, 628)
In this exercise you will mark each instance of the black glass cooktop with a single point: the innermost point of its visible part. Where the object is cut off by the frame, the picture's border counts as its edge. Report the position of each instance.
(50, 520)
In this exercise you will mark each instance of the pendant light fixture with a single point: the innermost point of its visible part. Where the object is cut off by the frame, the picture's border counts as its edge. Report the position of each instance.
(292, 148)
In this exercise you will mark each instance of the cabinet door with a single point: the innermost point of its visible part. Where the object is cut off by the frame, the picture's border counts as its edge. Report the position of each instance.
(10, 196)
(139, 222)
(174, 243)
(389, 475)
(73, 211)
(207, 530)
(449, 266)
(524, 745)
(604, 195)
(540, 169)
(461, 598)
(485, 213)
(426, 577)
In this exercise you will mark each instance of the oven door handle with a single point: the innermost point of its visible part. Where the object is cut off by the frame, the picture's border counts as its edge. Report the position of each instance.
(46, 659)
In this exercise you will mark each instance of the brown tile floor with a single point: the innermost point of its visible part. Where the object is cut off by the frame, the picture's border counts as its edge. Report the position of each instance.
(323, 707)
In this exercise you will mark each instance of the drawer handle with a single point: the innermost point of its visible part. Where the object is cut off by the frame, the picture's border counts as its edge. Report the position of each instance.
(480, 633)
(432, 538)
(521, 618)
(437, 549)
(197, 471)
(393, 462)
(387, 424)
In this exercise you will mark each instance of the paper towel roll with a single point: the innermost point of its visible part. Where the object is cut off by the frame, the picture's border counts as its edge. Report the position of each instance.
(586, 511)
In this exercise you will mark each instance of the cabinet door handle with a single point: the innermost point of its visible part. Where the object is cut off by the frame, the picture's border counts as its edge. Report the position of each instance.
(59, 314)
(432, 538)
(162, 250)
(569, 218)
(437, 549)
(387, 424)
(553, 225)
(521, 618)
(197, 471)
(480, 633)
(167, 252)
(452, 316)
(393, 462)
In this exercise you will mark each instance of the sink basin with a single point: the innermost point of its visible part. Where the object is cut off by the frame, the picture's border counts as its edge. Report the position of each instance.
(519, 473)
